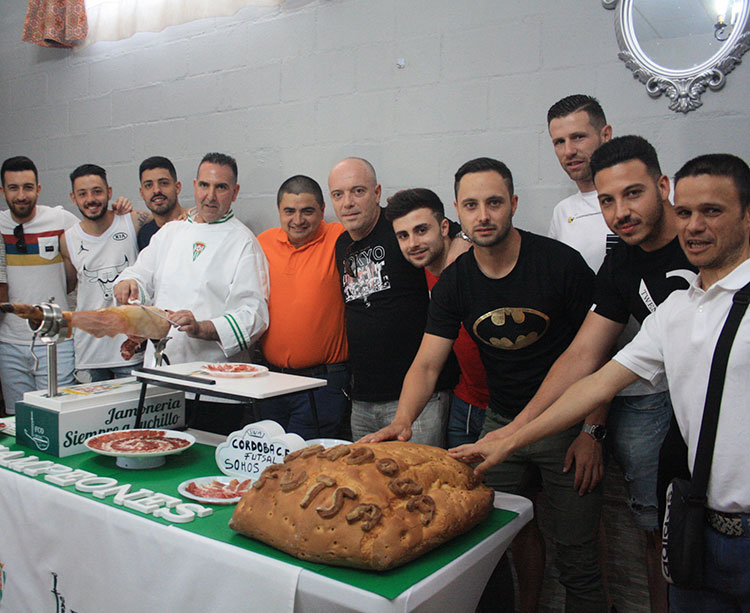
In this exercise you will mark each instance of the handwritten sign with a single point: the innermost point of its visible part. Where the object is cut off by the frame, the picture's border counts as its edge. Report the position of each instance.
(247, 453)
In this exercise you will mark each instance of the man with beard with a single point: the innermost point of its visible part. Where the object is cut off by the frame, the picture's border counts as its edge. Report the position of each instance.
(96, 250)
(159, 190)
(636, 276)
(677, 341)
(423, 233)
(36, 272)
(522, 298)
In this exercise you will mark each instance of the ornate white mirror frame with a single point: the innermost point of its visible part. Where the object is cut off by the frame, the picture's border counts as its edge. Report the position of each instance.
(683, 87)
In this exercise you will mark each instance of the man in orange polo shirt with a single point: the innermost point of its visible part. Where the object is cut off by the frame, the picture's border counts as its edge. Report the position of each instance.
(306, 334)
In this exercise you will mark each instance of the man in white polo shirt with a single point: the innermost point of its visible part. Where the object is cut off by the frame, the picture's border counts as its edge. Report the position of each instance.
(712, 198)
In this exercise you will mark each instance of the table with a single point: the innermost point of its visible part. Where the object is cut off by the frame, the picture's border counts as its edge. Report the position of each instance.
(59, 546)
(242, 389)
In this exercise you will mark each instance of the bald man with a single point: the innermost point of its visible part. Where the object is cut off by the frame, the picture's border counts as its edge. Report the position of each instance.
(386, 301)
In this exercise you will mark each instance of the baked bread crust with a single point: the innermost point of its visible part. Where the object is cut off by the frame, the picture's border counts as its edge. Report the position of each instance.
(374, 506)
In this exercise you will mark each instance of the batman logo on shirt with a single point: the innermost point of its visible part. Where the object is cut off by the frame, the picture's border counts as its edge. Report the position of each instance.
(511, 328)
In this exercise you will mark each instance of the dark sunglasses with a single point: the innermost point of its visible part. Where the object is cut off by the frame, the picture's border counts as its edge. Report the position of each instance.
(20, 238)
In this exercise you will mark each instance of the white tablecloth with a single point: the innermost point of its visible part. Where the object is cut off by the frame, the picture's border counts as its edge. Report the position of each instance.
(57, 545)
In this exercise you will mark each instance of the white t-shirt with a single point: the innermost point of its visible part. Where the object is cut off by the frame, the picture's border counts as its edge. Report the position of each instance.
(678, 340)
(36, 273)
(578, 222)
(98, 260)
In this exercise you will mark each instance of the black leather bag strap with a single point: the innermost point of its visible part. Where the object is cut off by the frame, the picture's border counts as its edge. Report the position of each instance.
(709, 424)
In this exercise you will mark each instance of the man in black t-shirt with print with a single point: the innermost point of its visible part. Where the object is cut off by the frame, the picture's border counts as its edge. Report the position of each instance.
(522, 298)
(636, 276)
(386, 302)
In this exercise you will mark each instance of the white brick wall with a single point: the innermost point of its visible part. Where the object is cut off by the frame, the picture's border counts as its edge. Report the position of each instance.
(293, 90)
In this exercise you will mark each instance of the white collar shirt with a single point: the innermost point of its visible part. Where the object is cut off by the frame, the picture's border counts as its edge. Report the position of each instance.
(678, 340)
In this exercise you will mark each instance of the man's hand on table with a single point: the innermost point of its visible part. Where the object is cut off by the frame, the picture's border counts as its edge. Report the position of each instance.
(588, 457)
(393, 431)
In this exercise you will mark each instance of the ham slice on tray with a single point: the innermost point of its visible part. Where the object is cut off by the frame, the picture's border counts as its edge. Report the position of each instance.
(135, 321)
(219, 490)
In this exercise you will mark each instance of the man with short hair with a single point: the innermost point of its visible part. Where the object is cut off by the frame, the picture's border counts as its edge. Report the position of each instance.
(712, 197)
(160, 190)
(636, 276)
(422, 230)
(577, 127)
(522, 298)
(386, 303)
(306, 334)
(99, 247)
(210, 274)
(36, 273)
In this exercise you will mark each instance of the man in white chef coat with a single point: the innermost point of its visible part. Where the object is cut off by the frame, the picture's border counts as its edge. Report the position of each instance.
(211, 275)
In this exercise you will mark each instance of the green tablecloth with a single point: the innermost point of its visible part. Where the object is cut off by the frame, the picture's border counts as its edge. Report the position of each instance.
(198, 461)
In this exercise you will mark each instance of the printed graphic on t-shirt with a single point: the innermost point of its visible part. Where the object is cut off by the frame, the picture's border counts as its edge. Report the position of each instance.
(105, 276)
(511, 328)
(363, 274)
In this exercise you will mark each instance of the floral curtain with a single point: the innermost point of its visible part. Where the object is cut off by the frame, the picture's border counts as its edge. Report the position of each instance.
(55, 23)
(119, 19)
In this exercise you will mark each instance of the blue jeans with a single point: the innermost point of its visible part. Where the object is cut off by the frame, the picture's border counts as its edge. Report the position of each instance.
(464, 422)
(93, 375)
(637, 426)
(294, 412)
(18, 376)
(427, 429)
(574, 518)
(726, 568)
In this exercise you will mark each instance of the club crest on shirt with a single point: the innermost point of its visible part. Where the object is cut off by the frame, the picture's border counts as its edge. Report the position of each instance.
(511, 328)
(198, 249)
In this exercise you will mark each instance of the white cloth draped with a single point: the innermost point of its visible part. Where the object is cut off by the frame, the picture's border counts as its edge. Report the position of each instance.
(119, 19)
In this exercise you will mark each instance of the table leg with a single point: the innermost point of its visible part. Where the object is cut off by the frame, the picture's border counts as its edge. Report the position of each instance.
(141, 402)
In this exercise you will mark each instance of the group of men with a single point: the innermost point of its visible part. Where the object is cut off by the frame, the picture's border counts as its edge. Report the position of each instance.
(467, 339)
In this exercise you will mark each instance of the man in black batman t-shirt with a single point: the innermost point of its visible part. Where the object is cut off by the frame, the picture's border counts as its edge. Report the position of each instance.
(522, 298)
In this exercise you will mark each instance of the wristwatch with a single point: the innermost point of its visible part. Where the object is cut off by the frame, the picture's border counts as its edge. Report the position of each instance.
(596, 431)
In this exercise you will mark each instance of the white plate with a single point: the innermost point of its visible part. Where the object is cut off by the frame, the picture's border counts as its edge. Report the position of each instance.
(143, 454)
(8, 425)
(259, 370)
(327, 442)
(182, 488)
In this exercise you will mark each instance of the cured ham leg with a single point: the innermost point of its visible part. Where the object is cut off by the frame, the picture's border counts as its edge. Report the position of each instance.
(135, 321)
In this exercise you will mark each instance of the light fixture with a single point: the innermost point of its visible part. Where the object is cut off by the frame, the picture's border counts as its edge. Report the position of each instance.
(723, 26)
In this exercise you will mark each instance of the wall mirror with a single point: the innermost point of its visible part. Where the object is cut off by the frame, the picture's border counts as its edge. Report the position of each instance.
(680, 49)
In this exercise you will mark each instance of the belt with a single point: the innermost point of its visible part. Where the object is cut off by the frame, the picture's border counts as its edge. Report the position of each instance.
(313, 371)
(729, 524)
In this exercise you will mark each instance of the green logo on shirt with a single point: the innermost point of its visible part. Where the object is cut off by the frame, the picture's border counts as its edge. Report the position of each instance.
(198, 249)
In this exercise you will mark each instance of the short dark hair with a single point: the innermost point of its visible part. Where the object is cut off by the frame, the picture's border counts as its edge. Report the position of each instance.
(623, 149)
(18, 163)
(405, 201)
(157, 161)
(575, 103)
(484, 165)
(301, 184)
(222, 159)
(84, 170)
(720, 165)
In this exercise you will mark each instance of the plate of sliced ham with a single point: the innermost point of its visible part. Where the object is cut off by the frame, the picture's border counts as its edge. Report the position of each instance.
(234, 370)
(214, 490)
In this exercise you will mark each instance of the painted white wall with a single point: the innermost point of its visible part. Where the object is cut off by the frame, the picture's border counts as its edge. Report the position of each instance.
(295, 89)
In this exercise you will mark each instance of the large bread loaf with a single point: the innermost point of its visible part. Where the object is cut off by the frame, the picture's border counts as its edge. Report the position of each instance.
(371, 506)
